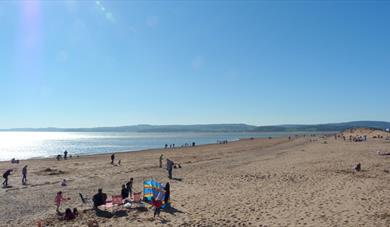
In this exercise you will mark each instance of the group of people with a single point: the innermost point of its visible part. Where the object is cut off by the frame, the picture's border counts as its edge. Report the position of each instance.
(59, 157)
(170, 146)
(100, 198)
(127, 189)
(222, 141)
(8, 172)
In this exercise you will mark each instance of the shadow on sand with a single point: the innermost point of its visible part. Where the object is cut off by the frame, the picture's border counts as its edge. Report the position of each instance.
(107, 214)
(172, 210)
(177, 179)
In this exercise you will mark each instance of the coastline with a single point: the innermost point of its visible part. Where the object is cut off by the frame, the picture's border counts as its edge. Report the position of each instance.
(246, 135)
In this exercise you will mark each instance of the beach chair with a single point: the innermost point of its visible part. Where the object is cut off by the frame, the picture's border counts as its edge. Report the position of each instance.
(85, 200)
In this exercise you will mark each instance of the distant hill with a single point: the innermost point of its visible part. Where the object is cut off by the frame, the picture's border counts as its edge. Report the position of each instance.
(325, 127)
(220, 128)
(151, 128)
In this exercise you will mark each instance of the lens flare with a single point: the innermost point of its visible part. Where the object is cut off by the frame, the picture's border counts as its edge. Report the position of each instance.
(29, 44)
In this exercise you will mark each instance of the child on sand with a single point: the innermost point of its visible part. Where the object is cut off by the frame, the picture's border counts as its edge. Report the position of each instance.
(59, 198)
(69, 215)
(129, 186)
(157, 207)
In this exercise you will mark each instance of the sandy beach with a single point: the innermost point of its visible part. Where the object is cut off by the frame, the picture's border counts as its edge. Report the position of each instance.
(308, 181)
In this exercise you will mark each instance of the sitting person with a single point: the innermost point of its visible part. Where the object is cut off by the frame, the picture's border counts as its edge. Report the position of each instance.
(99, 198)
(124, 192)
(75, 212)
(69, 215)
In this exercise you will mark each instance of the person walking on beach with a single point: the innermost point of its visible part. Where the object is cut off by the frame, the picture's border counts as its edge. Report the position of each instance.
(112, 159)
(170, 168)
(24, 175)
(65, 154)
(5, 176)
(161, 159)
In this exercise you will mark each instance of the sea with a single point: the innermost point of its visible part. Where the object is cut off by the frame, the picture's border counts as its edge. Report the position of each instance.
(26, 145)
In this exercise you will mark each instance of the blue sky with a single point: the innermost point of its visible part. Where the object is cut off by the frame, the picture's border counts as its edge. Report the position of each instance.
(107, 63)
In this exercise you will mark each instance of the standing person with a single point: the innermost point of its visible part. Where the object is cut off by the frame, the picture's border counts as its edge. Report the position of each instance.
(112, 159)
(167, 193)
(129, 186)
(161, 159)
(65, 154)
(170, 168)
(59, 198)
(157, 203)
(5, 176)
(24, 173)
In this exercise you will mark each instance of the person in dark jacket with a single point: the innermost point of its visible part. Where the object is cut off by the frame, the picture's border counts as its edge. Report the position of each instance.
(167, 193)
(112, 159)
(5, 176)
(170, 165)
(99, 198)
(124, 192)
(24, 175)
(129, 186)
(65, 154)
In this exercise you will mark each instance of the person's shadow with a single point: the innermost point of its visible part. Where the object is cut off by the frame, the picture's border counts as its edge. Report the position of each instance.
(177, 179)
(172, 210)
(103, 213)
(107, 214)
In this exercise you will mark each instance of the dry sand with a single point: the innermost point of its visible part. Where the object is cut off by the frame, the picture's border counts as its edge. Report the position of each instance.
(261, 182)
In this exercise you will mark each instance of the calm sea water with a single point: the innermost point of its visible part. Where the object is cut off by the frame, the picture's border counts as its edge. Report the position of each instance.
(23, 145)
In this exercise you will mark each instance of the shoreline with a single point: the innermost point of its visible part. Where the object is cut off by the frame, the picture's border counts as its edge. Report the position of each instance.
(80, 155)
(281, 135)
